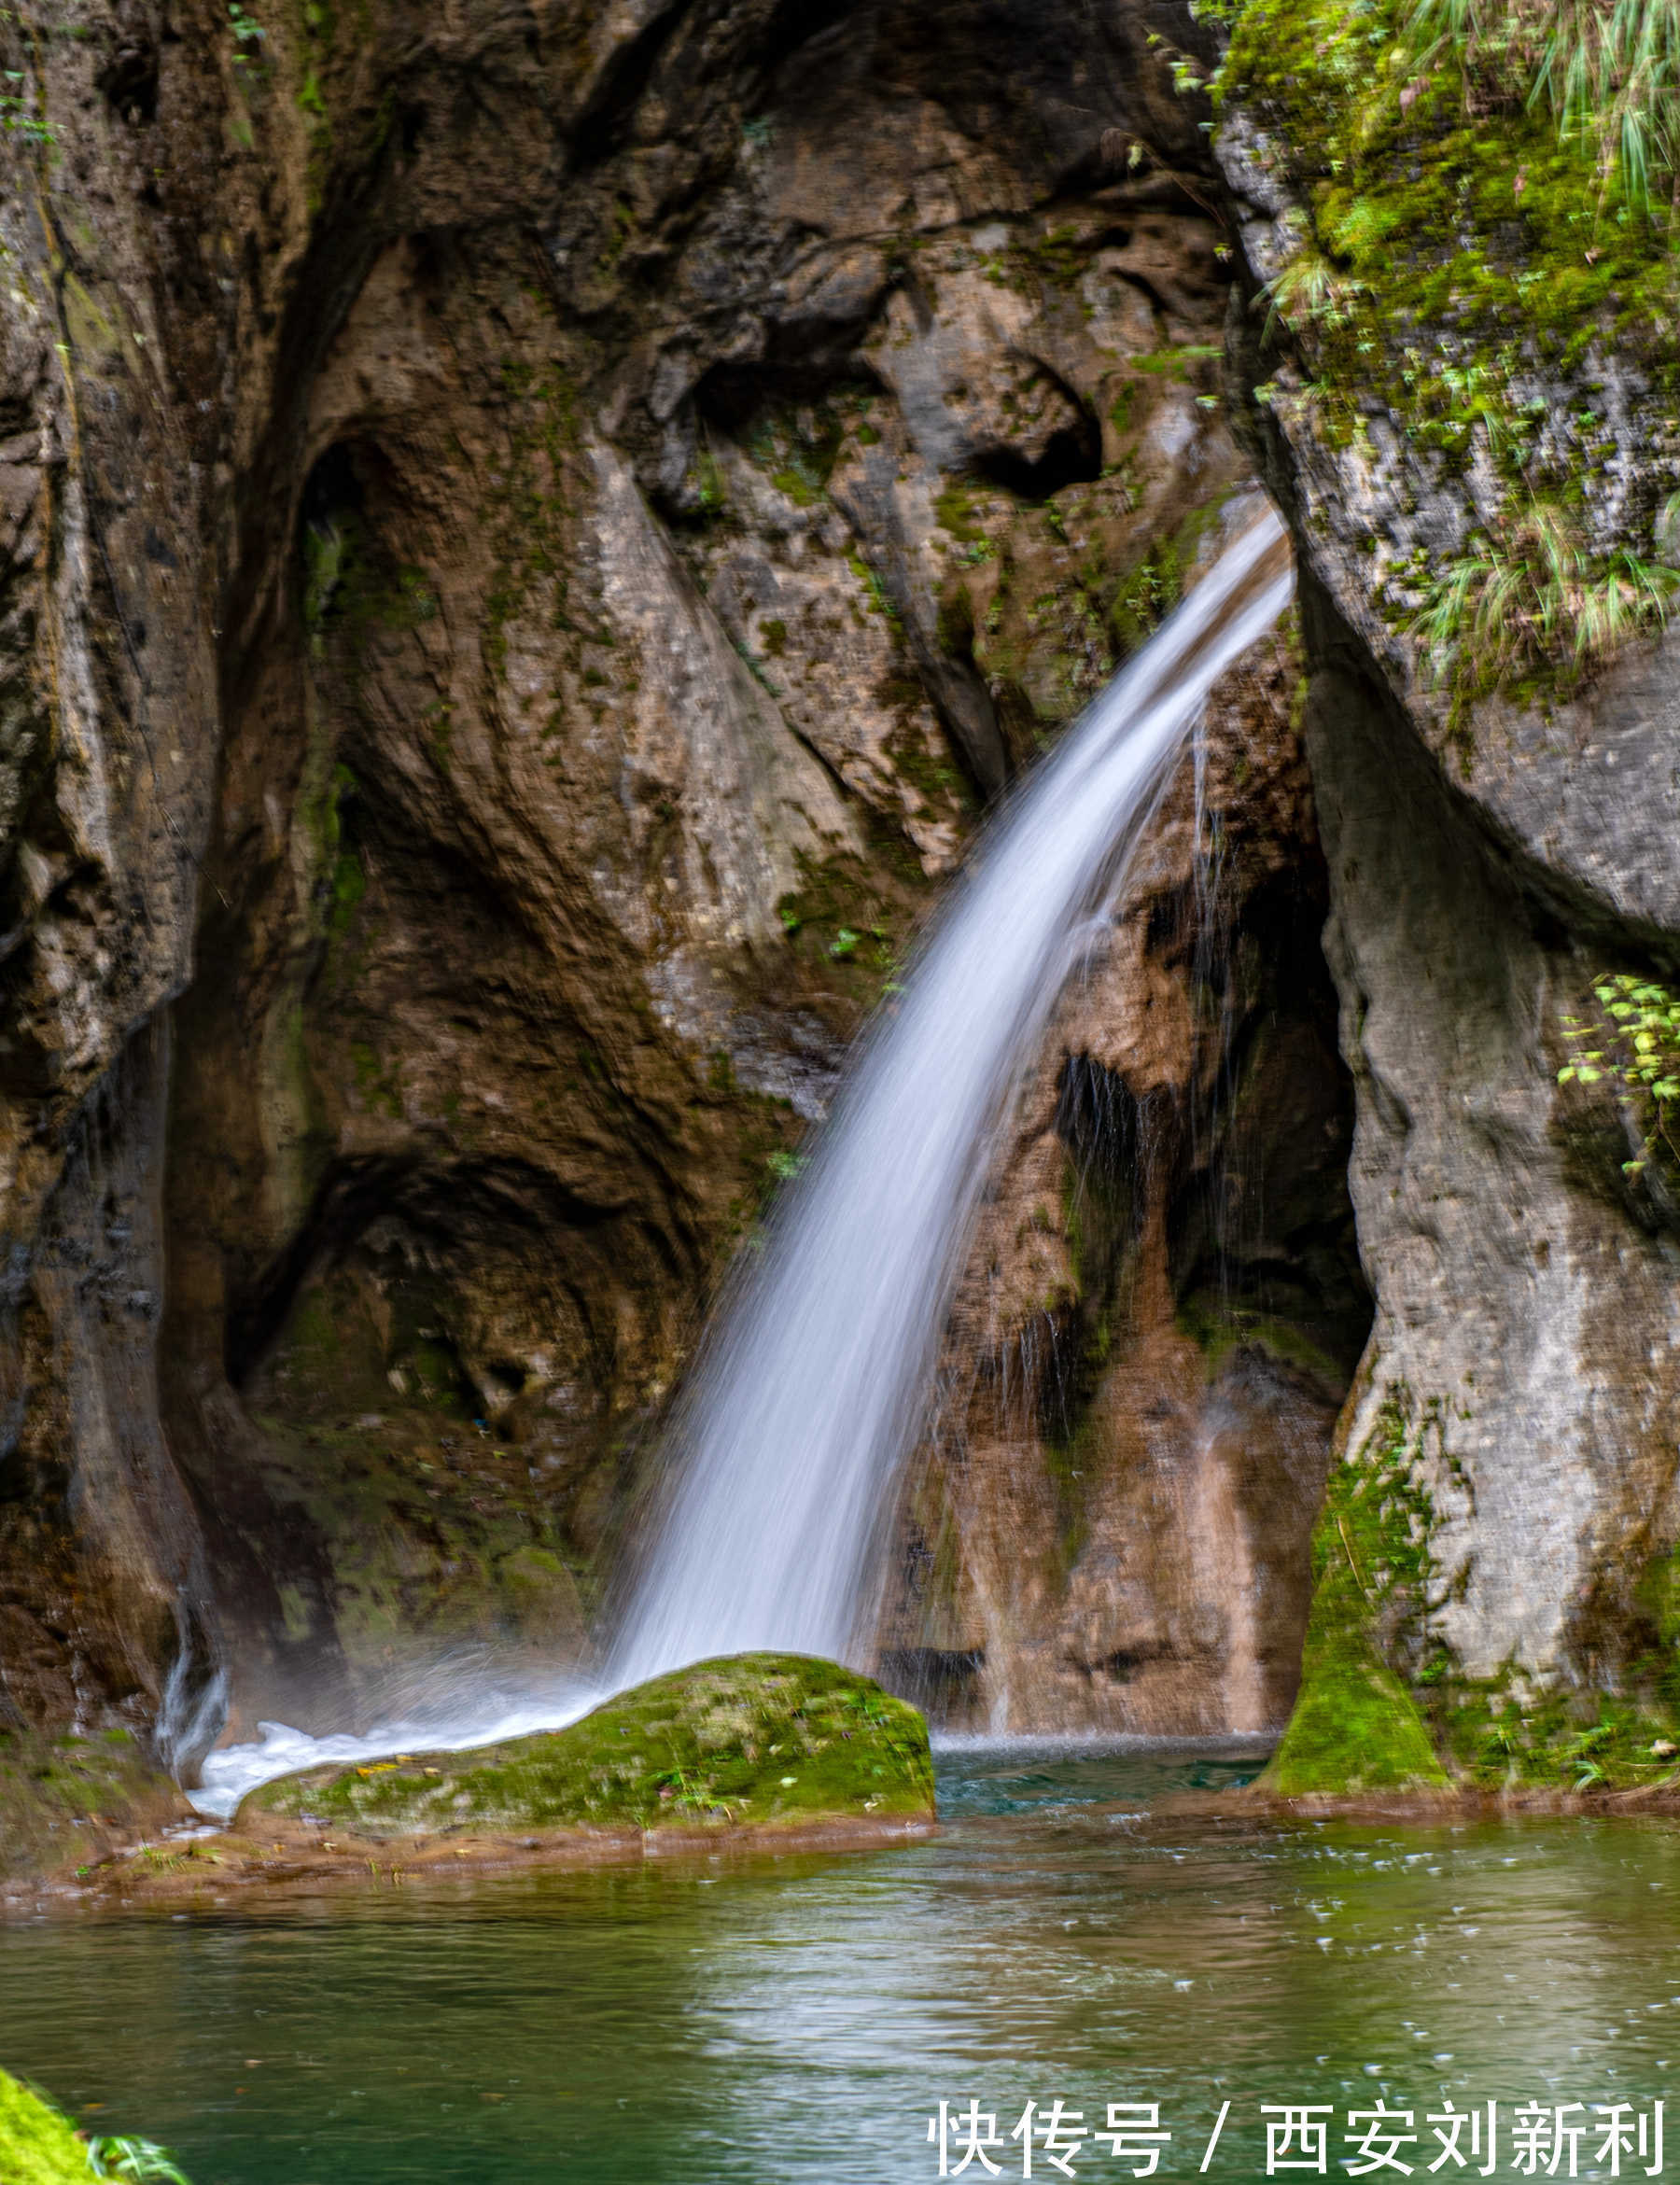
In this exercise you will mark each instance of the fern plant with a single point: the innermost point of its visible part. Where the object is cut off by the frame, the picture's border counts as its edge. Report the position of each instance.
(1311, 288)
(136, 2162)
(1635, 1044)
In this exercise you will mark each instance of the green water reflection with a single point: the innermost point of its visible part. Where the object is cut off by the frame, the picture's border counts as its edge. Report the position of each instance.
(799, 2019)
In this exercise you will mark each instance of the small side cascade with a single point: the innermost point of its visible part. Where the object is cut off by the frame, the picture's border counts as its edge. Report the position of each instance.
(810, 1390)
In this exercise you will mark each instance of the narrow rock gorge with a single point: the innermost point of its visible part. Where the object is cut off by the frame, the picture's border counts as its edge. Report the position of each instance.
(536, 533)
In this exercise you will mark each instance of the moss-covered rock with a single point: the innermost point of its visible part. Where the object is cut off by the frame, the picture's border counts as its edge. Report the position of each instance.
(1387, 1704)
(754, 1739)
(1356, 1726)
(37, 2146)
(1453, 263)
(67, 1801)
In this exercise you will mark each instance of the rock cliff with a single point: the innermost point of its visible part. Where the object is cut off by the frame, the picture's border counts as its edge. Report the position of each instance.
(533, 533)
(1462, 339)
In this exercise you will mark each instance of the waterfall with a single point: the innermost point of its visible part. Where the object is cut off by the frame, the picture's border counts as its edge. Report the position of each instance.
(810, 1391)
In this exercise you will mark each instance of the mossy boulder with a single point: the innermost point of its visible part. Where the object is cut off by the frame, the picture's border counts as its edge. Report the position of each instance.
(68, 1800)
(37, 2146)
(1357, 1727)
(776, 1739)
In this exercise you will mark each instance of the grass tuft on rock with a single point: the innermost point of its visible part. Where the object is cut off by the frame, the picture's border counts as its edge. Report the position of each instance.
(750, 1739)
(1486, 256)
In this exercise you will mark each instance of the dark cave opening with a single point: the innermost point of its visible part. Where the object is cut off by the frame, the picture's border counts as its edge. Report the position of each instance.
(1072, 456)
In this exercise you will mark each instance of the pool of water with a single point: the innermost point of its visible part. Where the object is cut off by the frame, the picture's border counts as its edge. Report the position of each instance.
(802, 2018)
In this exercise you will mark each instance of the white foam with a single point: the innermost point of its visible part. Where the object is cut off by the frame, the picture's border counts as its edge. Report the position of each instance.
(234, 1772)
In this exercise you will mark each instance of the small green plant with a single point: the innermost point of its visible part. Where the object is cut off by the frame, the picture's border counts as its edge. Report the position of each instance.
(248, 34)
(1485, 197)
(1527, 592)
(710, 490)
(1310, 288)
(845, 942)
(1636, 1045)
(1579, 1755)
(141, 2160)
(18, 116)
(1610, 75)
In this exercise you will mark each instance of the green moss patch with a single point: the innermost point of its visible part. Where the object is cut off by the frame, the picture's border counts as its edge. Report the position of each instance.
(37, 2146)
(850, 921)
(1507, 1733)
(65, 1800)
(1356, 1726)
(752, 1739)
(1464, 267)
(1385, 1704)
(438, 1525)
(1502, 1735)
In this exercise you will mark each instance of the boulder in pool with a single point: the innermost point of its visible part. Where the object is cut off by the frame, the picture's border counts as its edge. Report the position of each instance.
(768, 1742)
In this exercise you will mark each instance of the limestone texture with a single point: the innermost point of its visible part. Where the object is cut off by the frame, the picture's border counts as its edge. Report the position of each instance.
(1493, 844)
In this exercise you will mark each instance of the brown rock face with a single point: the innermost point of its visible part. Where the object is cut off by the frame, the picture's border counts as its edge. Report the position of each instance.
(531, 534)
(1111, 1526)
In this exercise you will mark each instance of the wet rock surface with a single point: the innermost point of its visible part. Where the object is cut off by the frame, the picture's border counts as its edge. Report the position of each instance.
(70, 1802)
(1108, 1527)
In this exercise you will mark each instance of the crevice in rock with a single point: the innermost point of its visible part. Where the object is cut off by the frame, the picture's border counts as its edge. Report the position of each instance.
(1071, 457)
(943, 1682)
(600, 125)
(130, 81)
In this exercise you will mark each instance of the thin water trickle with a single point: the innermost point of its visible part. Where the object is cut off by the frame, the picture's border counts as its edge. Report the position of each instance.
(812, 1386)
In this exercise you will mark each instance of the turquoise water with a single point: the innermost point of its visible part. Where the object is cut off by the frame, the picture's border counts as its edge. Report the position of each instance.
(800, 2018)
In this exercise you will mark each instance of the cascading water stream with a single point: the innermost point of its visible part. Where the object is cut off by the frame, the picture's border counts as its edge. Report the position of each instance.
(811, 1388)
